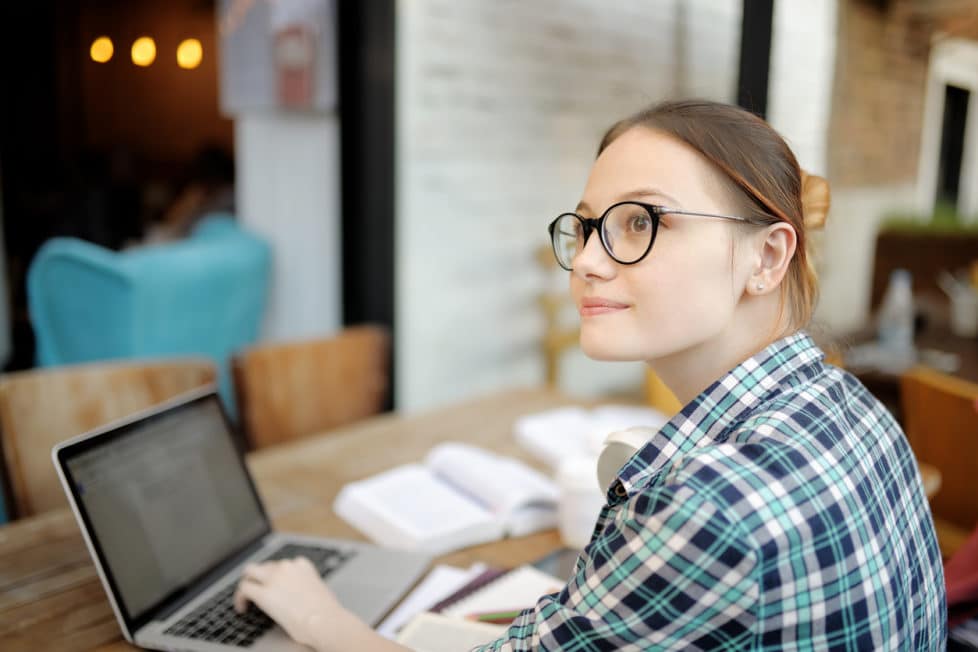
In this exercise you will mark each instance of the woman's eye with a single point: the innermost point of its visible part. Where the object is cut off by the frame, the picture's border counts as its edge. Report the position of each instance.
(639, 223)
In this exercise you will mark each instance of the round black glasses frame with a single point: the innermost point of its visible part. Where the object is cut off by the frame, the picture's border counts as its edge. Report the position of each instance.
(589, 224)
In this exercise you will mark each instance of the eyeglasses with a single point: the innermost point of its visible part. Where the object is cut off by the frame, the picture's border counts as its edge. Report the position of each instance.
(627, 231)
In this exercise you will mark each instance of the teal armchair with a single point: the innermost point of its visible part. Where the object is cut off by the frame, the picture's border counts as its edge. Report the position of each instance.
(204, 295)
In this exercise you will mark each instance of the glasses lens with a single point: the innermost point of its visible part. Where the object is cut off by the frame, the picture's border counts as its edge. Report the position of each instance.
(568, 239)
(628, 232)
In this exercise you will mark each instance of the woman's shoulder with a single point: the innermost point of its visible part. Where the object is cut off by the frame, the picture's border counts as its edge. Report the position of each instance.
(830, 409)
(803, 455)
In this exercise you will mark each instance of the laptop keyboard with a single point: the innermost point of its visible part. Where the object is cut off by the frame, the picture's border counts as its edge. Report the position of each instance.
(217, 621)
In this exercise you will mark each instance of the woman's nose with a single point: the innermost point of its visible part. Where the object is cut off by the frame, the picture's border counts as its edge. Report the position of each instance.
(593, 261)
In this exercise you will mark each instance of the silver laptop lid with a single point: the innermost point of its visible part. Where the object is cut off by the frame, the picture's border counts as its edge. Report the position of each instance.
(162, 498)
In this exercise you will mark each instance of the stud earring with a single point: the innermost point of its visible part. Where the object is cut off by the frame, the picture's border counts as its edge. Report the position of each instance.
(760, 286)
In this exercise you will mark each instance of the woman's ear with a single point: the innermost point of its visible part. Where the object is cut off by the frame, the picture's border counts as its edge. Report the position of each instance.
(776, 246)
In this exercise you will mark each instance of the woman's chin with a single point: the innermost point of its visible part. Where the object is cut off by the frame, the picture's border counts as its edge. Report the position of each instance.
(607, 352)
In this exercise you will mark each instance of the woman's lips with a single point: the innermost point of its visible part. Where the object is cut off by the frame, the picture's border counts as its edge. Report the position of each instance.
(596, 306)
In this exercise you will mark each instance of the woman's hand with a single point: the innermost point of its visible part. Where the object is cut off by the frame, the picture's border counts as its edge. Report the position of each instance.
(293, 594)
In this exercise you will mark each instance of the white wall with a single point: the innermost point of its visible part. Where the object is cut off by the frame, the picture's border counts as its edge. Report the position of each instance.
(710, 53)
(288, 192)
(500, 106)
(803, 51)
(848, 244)
(803, 47)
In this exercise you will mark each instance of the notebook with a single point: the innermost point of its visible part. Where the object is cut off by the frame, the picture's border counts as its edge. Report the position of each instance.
(449, 625)
(430, 632)
(497, 590)
(441, 581)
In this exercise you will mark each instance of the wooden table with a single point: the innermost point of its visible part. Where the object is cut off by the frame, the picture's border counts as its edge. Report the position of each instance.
(50, 595)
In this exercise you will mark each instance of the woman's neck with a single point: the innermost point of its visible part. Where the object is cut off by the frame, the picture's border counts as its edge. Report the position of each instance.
(690, 371)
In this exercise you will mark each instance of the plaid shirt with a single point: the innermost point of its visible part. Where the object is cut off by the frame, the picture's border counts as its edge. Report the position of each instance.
(780, 509)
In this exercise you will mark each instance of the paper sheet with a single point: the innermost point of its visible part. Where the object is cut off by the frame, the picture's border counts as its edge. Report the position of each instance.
(437, 633)
(516, 590)
(440, 582)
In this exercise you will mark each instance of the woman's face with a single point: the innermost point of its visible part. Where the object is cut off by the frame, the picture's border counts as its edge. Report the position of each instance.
(683, 294)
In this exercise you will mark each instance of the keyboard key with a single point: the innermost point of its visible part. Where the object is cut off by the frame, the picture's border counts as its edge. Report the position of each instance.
(216, 620)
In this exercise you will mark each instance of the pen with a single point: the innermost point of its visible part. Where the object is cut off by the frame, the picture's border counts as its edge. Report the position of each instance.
(495, 617)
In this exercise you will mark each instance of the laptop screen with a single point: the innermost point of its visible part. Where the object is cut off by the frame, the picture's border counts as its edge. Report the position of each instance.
(165, 499)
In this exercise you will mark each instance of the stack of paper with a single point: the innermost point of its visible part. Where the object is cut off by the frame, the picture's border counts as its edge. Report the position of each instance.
(456, 627)
(516, 590)
(556, 435)
(438, 584)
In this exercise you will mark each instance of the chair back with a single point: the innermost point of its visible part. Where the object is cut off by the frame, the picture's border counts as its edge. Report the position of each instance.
(659, 396)
(558, 336)
(43, 407)
(941, 423)
(289, 390)
(201, 296)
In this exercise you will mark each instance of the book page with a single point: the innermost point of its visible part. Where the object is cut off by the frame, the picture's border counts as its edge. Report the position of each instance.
(409, 507)
(528, 519)
(503, 484)
(436, 633)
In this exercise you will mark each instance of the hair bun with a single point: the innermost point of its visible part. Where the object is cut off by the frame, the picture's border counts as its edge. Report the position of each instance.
(815, 200)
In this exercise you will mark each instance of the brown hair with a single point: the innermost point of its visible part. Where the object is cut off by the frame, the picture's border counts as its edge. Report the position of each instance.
(761, 172)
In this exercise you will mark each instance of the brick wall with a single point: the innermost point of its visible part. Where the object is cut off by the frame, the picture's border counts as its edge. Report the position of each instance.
(881, 69)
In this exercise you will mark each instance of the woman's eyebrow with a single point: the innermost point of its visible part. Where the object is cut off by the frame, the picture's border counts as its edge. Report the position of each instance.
(638, 193)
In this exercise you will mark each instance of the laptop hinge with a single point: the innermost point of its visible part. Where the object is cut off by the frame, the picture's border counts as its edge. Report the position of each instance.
(207, 580)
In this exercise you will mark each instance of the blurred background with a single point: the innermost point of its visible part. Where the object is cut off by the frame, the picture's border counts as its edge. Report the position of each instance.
(197, 177)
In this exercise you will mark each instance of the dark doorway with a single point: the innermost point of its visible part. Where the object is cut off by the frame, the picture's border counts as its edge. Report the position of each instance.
(952, 144)
(755, 55)
(366, 82)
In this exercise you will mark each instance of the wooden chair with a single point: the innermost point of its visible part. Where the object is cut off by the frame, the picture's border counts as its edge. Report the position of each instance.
(289, 390)
(557, 337)
(941, 421)
(40, 408)
(659, 396)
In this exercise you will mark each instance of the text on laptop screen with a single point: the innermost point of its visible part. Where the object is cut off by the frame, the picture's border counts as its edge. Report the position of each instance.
(166, 501)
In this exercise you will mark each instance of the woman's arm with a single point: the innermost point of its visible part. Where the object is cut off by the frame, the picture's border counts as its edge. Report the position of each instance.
(293, 595)
(669, 571)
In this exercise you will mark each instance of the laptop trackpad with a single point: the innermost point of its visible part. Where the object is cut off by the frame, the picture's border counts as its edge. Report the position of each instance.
(374, 580)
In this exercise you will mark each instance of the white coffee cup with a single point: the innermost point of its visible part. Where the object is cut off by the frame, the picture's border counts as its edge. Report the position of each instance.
(619, 447)
(582, 495)
(581, 501)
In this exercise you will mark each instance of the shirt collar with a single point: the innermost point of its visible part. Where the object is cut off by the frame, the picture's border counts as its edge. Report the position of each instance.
(709, 417)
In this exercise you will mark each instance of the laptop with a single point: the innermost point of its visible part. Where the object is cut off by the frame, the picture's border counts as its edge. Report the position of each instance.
(171, 515)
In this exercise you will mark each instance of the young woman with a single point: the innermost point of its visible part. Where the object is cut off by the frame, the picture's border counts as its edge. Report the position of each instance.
(782, 507)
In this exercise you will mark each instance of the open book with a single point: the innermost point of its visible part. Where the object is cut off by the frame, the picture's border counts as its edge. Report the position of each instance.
(460, 496)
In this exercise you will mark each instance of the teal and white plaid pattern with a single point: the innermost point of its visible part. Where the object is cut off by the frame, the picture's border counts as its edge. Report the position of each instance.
(780, 510)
